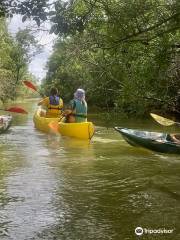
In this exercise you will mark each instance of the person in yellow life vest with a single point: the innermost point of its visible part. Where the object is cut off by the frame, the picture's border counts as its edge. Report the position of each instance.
(53, 104)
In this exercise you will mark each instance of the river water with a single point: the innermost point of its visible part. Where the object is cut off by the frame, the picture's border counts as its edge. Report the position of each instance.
(54, 187)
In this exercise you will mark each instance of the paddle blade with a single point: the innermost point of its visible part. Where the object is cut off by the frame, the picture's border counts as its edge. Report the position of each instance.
(16, 110)
(54, 126)
(161, 120)
(30, 85)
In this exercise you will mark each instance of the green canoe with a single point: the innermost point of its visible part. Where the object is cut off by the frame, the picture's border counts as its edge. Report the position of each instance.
(155, 141)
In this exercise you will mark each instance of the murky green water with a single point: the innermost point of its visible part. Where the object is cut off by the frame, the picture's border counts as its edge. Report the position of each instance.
(59, 188)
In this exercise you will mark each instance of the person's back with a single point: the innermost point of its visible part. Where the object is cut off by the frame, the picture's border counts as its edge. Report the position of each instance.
(53, 104)
(77, 111)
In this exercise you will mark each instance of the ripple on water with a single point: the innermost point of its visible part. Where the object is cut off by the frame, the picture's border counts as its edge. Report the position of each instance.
(57, 188)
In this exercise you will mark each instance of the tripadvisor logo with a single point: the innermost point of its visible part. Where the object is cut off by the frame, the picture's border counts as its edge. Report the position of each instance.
(140, 231)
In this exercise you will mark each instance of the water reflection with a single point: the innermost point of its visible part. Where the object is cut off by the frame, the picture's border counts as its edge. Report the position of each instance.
(54, 187)
(29, 186)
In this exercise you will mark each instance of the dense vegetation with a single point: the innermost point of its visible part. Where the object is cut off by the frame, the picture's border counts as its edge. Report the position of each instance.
(15, 54)
(124, 53)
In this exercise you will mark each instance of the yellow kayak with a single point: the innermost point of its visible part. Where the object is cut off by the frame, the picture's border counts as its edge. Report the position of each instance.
(83, 130)
(41, 122)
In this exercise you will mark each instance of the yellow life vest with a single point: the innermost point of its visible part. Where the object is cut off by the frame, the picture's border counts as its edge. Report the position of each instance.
(54, 106)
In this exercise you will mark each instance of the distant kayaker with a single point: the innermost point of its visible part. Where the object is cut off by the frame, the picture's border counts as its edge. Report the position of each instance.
(77, 109)
(53, 104)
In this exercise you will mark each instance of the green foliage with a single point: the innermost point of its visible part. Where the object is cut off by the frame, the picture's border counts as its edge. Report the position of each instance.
(27, 8)
(125, 53)
(15, 54)
(65, 71)
(25, 47)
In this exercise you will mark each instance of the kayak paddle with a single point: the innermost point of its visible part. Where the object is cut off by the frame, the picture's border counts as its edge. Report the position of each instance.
(54, 126)
(31, 86)
(163, 121)
(15, 110)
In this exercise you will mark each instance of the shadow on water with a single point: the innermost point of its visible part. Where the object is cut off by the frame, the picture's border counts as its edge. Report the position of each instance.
(54, 187)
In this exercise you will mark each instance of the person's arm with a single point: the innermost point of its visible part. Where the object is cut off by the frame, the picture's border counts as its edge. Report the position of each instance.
(40, 103)
(61, 104)
(43, 102)
(69, 109)
(176, 140)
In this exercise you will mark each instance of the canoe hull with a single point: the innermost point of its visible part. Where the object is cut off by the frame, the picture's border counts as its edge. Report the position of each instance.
(42, 123)
(84, 130)
(150, 140)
